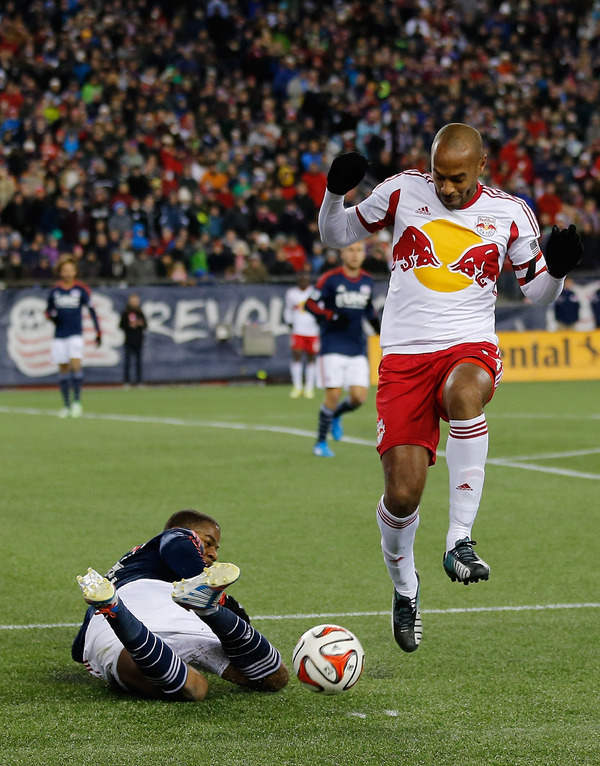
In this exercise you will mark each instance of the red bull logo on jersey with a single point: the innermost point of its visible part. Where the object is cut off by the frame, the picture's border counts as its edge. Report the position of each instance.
(486, 226)
(481, 263)
(430, 253)
(414, 250)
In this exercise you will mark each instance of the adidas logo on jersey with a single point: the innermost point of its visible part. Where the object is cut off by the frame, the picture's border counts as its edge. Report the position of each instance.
(423, 211)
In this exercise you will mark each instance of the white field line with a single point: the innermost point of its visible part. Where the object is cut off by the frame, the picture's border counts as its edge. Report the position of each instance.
(509, 462)
(336, 615)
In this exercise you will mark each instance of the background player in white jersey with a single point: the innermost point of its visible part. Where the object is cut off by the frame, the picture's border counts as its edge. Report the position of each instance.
(65, 303)
(138, 638)
(304, 339)
(341, 301)
(451, 235)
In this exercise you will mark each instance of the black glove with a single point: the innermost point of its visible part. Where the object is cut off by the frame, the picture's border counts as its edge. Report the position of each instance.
(563, 251)
(346, 172)
(98, 340)
(234, 606)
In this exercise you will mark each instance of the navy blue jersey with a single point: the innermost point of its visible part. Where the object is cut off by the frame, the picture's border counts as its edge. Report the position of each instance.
(64, 309)
(171, 555)
(340, 303)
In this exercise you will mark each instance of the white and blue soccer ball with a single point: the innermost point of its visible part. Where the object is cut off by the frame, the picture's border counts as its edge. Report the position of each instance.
(328, 659)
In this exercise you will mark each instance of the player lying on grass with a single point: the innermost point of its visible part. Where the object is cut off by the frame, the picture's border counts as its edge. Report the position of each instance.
(147, 635)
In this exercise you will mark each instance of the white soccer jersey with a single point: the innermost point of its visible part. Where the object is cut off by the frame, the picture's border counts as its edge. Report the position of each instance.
(442, 288)
(302, 321)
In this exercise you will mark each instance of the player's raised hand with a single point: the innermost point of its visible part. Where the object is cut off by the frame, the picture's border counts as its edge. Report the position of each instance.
(563, 251)
(346, 172)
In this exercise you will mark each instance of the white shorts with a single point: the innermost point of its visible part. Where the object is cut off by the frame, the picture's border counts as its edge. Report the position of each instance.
(65, 349)
(150, 601)
(340, 371)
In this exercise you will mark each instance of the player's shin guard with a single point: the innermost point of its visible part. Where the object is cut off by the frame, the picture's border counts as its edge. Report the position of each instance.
(155, 659)
(345, 406)
(397, 545)
(466, 453)
(76, 383)
(65, 392)
(248, 650)
(325, 418)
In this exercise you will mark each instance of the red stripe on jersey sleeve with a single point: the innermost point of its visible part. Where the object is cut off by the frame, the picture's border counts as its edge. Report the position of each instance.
(387, 220)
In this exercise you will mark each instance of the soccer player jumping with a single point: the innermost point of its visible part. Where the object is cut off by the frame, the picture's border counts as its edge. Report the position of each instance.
(451, 235)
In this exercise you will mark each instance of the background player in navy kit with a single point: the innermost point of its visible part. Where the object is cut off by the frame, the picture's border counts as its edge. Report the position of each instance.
(65, 303)
(137, 638)
(340, 301)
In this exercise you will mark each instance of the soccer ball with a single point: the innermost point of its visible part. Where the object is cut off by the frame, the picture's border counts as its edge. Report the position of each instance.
(328, 659)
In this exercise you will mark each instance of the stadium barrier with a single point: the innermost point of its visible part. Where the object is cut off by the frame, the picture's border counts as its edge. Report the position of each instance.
(534, 356)
(237, 332)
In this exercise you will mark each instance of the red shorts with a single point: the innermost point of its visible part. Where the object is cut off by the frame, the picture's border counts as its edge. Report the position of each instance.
(409, 393)
(307, 343)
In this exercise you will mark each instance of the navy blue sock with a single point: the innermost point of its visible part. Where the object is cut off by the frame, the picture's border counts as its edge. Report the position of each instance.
(63, 381)
(155, 659)
(76, 382)
(325, 418)
(248, 650)
(345, 406)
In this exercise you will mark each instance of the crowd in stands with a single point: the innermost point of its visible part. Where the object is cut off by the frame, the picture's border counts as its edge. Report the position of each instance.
(189, 142)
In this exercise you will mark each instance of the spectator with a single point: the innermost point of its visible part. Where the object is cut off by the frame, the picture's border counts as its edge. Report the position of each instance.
(90, 268)
(316, 183)
(255, 271)
(120, 221)
(548, 204)
(294, 253)
(42, 271)
(281, 267)
(115, 269)
(143, 269)
(220, 259)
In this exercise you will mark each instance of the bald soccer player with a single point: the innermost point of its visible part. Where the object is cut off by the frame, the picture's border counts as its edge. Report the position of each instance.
(451, 235)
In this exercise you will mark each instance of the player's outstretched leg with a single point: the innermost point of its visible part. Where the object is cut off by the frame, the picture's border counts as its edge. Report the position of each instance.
(463, 564)
(203, 591)
(250, 653)
(156, 660)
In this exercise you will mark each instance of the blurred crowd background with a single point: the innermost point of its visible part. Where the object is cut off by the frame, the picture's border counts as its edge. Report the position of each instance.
(187, 143)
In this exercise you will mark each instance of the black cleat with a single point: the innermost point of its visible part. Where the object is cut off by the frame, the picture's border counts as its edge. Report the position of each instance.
(406, 620)
(463, 564)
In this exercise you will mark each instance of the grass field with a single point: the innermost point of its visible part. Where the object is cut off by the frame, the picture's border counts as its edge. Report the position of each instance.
(507, 672)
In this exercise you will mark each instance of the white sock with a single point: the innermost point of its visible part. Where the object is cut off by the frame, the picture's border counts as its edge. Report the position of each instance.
(466, 453)
(397, 545)
(296, 372)
(310, 372)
